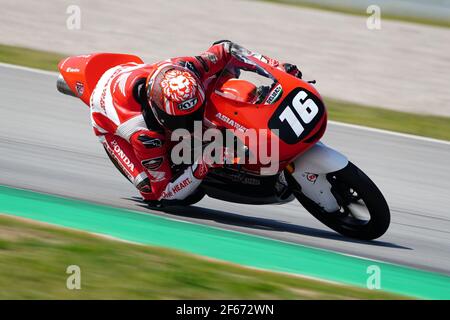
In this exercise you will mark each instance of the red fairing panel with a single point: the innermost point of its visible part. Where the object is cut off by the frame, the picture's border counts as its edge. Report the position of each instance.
(82, 72)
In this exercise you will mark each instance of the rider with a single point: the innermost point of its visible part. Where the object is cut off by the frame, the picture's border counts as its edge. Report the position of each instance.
(135, 107)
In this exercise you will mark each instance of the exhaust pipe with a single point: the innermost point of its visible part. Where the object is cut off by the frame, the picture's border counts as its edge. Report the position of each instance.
(62, 87)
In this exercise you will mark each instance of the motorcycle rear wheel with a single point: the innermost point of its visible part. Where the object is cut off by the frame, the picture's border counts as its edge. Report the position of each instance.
(350, 186)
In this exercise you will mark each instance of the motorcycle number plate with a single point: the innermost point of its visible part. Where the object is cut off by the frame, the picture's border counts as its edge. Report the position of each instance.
(297, 115)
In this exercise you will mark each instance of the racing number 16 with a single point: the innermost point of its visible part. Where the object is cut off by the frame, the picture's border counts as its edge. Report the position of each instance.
(306, 110)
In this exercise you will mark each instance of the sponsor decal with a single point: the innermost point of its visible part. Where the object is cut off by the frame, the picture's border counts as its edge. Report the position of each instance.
(311, 177)
(119, 152)
(70, 70)
(230, 122)
(274, 95)
(180, 186)
(177, 188)
(102, 99)
(188, 104)
(152, 164)
(239, 177)
(79, 86)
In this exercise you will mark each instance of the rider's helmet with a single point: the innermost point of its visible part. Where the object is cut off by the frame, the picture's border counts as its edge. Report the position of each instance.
(176, 97)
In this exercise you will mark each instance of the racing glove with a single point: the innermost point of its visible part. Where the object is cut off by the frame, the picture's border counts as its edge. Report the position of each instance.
(292, 69)
(211, 161)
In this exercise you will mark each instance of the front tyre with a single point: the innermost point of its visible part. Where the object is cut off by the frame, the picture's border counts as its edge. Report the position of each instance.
(355, 193)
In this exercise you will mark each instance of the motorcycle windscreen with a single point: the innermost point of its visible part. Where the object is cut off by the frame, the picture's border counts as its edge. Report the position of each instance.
(245, 81)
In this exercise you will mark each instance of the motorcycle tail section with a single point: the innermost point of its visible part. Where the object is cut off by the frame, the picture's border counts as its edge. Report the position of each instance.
(80, 74)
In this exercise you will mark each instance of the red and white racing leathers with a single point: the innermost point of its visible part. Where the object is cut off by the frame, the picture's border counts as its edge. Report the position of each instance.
(142, 154)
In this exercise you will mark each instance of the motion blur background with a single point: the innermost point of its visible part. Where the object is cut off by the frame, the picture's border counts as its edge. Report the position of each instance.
(402, 66)
(400, 63)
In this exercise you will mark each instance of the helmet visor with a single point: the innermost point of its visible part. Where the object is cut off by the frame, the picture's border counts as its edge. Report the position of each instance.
(172, 123)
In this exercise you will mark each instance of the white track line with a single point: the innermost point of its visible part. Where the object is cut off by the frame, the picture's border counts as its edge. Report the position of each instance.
(392, 133)
(342, 124)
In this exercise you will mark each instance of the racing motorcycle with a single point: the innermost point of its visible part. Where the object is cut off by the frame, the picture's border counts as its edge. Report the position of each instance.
(250, 93)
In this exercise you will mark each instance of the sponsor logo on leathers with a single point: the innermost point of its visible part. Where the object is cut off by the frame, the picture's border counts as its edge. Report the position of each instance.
(180, 186)
(177, 188)
(119, 152)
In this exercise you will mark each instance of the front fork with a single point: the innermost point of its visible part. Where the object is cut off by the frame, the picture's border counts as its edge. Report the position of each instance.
(310, 171)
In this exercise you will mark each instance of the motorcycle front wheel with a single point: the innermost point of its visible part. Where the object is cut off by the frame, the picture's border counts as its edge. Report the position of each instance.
(364, 213)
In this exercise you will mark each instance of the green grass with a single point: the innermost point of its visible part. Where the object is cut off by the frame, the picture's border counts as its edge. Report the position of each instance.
(428, 126)
(422, 125)
(34, 258)
(30, 58)
(356, 12)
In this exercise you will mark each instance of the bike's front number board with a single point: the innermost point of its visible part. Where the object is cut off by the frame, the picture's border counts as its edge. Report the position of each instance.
(296, 116)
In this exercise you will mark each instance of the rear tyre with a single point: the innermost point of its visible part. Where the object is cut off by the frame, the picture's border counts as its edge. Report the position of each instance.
(352, 188)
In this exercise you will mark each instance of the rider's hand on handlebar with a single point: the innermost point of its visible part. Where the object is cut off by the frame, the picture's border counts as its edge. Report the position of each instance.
(210, 160)
(292, 69)
(219, 157)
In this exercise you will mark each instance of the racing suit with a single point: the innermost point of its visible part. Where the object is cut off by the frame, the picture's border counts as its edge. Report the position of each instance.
(131, 136)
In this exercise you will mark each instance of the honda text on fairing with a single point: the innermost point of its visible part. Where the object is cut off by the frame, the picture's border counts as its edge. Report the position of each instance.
(250, 93)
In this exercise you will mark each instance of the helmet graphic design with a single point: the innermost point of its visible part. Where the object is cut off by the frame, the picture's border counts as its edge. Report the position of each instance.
(176, 97)
(178, 85)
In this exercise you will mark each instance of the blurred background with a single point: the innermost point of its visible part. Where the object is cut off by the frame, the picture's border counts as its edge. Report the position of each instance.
(403, 66)
(381, 64)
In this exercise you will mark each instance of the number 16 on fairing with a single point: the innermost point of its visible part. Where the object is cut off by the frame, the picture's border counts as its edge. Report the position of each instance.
(306, 109)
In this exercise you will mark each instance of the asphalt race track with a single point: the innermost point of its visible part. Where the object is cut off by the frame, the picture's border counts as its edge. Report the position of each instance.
(47, 145)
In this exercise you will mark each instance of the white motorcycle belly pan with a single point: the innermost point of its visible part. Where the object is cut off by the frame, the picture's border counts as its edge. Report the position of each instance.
(315, 164)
